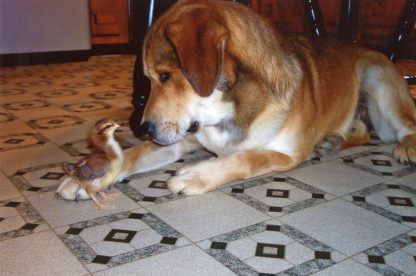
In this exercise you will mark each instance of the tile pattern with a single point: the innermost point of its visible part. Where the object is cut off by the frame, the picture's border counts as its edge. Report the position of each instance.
(278, 224)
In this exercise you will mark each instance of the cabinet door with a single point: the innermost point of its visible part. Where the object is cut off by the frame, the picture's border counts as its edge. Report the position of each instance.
(109, 21)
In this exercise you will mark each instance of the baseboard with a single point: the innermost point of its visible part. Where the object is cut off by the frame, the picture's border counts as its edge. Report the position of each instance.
(11, 60)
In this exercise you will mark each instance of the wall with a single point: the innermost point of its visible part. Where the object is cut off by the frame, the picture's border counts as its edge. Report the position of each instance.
(31, 26)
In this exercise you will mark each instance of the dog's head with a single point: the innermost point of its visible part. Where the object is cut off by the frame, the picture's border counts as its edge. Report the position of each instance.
(192, 54)
(184, 56)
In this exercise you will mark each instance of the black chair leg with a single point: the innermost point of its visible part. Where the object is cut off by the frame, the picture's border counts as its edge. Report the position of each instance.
(348, 20)
(145, 12)
(314, 14)
(403, 30)
(141, 92)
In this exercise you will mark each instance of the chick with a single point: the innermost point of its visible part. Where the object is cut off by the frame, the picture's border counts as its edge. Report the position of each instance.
(99, 169)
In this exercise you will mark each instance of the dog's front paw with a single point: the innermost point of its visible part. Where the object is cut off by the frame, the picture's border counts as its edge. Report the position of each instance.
(405, 152)
(187, 183)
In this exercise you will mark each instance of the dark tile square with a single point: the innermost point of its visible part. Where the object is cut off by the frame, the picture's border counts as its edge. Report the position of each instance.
(384, 163)
(13, 141)
(34, 189)
(1, 219)
(376, 259)
(358, 198)
(117, 235)
(393, 186)
(270, 250)
(158, 184)
(320, 196)
(168, 240)
(275, 209)
(413, 238)
(149, 199)
(218, 245)
(266, 274)
(170, 172)
(19, 173)
(29, 226)
(400, 201)
(12, 204)
(408, 219)
(180, 161)
(73, 231)
(100, 259)
(237, 191)
(375, 143)
(322, 255)
(279, 179)
(387, 173)
(136, 216)
(277, 193)
(55, 122)
(348, 160)
(125, 181)
(52, 176)
(270, 227)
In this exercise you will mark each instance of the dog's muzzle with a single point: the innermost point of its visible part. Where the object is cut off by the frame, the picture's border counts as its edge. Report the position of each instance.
(166, 133)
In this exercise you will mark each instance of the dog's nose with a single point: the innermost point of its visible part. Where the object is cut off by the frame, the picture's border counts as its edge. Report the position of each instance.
(149, 129)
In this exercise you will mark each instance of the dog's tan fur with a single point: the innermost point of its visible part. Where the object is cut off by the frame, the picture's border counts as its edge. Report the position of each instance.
(263, 101)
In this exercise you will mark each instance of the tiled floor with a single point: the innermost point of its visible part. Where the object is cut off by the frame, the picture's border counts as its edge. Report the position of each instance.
(348, 214)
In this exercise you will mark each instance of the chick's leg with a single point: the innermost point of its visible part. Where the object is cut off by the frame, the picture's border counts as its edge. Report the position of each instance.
(110, 196)
(99, 204)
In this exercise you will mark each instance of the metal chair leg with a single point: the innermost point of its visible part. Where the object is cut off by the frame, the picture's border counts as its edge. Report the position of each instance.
(314, 14)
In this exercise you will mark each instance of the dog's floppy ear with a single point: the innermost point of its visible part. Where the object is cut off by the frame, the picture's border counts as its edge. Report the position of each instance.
(200, 41)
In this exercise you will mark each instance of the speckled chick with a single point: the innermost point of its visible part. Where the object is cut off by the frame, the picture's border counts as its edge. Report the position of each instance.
(99, 169)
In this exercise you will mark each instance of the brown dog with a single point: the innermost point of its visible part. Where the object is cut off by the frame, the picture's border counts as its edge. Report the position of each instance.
(223, 78)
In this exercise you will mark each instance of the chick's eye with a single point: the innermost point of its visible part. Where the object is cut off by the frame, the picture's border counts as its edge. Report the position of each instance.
(164, 77)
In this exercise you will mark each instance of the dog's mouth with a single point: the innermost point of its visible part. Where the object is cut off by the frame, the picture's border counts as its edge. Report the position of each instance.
(194, 127)
(167, 135)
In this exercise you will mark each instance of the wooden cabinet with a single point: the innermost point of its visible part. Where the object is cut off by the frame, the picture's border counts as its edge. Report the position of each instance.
(109, 21)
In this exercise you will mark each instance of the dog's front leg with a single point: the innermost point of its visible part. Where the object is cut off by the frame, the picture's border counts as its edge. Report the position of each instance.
(208, 175)
(150, 156)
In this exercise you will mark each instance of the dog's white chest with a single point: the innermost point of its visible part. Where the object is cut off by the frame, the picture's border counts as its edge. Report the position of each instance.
(215, 140)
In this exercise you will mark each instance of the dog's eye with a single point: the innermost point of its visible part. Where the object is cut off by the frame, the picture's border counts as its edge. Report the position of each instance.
(164, 77)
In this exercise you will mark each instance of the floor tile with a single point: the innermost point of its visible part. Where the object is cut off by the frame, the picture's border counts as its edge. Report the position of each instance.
(68, 134)
(402, 261)
(277, 195)
(204, 216)
(71, 212)
(334, 177)
(13, 160)
(13, 127)
(344, 226)
(38, 254)
(7, 190)
(281, 249)
(409, 180)
(21, 140)
(390, 200)
(118, 244)
(183, 261)
(347, 268)
(19, 218)
(33, 114)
